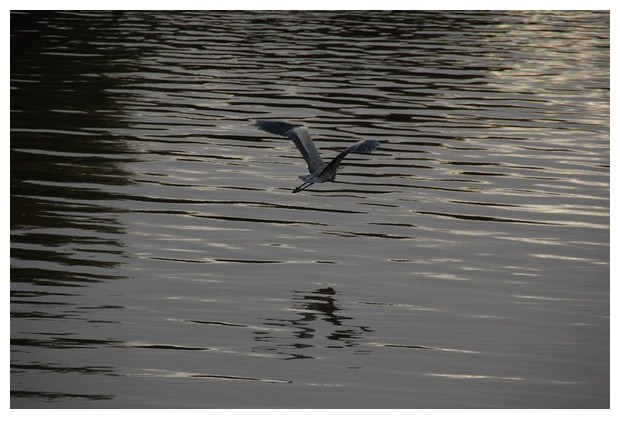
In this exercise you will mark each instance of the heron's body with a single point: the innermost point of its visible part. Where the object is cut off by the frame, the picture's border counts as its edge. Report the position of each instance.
(319, 170)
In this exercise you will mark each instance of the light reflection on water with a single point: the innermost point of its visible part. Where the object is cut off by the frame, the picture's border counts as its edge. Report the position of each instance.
(159, 258)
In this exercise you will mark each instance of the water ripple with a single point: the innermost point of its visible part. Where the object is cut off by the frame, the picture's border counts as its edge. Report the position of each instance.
(152, 222)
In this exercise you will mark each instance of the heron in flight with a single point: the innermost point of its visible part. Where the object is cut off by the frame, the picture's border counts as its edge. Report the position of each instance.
(319, 170)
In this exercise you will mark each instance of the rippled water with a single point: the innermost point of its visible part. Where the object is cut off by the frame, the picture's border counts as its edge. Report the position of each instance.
(159, 258)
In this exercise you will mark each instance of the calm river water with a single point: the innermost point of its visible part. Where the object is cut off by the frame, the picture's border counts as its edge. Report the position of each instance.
(159, 258)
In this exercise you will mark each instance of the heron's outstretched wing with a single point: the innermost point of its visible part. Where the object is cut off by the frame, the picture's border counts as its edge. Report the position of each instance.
(365, 146)
(301, 138)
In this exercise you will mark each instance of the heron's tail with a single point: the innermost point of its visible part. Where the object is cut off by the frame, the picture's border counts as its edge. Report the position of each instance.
(309, 178)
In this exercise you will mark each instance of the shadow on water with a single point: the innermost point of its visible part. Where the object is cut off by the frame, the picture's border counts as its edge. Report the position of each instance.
(67, 168)
(306, 332)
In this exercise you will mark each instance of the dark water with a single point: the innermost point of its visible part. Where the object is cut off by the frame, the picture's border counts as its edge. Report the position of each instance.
(159, 258)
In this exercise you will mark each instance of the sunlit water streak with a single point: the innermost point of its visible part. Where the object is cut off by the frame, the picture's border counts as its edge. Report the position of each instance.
(159, 258)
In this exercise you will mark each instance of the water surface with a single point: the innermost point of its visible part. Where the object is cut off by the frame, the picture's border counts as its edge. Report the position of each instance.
(159, 258)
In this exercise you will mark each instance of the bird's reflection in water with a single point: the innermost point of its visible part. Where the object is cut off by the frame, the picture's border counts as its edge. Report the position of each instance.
(290, 337)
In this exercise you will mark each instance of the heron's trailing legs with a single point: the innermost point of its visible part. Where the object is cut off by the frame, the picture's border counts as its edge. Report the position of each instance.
(302, 187)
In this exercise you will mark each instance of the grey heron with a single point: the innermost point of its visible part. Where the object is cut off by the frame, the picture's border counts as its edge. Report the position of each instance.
(319, 170)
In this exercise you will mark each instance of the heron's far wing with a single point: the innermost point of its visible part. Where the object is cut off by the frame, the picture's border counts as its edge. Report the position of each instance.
(300, 136)
(365, 146)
